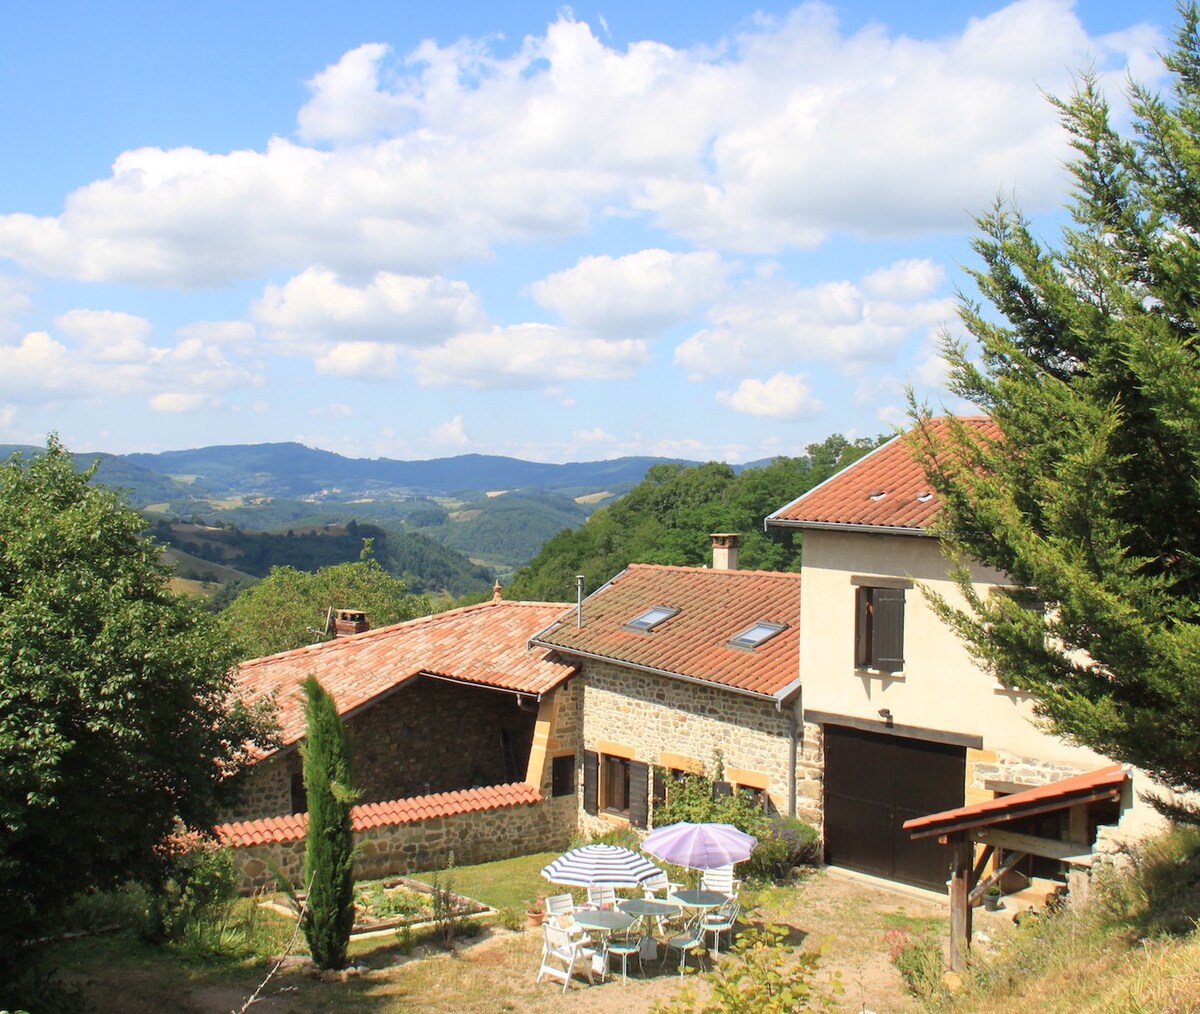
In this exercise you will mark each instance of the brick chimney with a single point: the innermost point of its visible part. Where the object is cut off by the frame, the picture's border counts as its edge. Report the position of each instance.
(724, 547)
(349, 621)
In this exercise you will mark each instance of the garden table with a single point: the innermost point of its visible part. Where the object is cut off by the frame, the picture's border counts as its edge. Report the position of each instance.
(700, 899)
(602, 922)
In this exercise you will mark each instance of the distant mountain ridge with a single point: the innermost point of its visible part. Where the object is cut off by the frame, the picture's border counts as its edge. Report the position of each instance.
(292, 470)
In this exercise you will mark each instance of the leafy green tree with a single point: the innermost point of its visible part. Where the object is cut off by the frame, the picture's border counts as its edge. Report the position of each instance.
(1089, 498)
(117, 715)
(668, 517)
(289, 608)
(329, 846)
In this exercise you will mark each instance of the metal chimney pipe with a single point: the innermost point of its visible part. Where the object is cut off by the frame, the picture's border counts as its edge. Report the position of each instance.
(579, 578)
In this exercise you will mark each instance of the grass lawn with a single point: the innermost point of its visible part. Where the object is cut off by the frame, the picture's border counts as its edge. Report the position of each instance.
(495, 970)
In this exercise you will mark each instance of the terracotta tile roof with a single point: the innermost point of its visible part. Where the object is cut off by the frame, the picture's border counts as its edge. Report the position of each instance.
(714, 605)
(884, 489)
(1105, 783)
(483, 644)
(397, 811)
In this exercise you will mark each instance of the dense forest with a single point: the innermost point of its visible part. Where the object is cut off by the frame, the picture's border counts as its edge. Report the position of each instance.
(668, 517)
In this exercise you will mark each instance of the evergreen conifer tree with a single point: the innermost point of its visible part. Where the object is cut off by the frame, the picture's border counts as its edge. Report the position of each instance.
(1089, 497)
(329, 852)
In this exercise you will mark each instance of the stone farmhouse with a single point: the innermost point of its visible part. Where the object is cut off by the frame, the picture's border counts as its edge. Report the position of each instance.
(499, 729)
(686, 670)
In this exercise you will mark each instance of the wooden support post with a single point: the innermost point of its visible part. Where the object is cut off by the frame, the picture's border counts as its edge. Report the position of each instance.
(960, 907)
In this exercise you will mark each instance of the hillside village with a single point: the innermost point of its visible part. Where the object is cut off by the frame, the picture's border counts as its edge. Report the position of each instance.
(835, 695)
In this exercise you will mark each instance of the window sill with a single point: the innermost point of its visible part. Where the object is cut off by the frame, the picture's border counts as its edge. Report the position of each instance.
(879, 674)
(615, 818)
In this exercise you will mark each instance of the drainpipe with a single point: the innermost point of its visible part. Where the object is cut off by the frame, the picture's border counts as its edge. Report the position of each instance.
(793, 750)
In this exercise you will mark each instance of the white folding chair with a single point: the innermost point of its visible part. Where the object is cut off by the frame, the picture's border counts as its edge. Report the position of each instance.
(689, 941)
(561, 954)
(722, 921)
(721, 880)
(602, 897)
(560, 904)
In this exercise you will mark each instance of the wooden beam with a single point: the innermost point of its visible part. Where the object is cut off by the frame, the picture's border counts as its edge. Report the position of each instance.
(960, 906)
(1076, 853)
(980, 863)
(1010, 860)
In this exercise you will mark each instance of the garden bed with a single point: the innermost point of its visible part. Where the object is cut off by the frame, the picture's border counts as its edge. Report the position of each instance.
(392, 904)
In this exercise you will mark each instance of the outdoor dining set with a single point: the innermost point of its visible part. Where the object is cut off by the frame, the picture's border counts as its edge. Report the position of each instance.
(587, 937)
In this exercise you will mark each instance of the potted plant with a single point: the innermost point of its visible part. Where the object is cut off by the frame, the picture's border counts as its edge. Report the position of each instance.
(536, 914)
(991, 898)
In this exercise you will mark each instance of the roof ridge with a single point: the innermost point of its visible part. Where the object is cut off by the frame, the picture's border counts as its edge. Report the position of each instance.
(416, 621)
(731, 571)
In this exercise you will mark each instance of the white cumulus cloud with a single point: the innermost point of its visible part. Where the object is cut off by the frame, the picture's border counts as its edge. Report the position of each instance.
(318, 307)
(789, 130)
(526, 355)
(635, 295)
(771, 320)
(782, 396)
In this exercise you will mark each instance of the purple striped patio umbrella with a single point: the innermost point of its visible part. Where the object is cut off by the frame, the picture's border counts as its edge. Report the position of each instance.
(600, 866)
(699, 846)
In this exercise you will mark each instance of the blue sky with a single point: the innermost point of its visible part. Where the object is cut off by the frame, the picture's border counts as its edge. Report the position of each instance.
(716, 231)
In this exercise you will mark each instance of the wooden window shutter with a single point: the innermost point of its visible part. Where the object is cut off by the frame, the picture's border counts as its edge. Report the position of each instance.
(591, 781)
(639, 793)
(887, 635)
(721, 789)
(862, 627)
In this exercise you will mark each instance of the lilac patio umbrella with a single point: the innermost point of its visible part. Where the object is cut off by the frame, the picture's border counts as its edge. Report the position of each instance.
(600, 866)
(699, 846)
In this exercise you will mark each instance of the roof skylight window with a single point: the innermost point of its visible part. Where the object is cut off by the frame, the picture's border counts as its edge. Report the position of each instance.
(651, 618)
(755, 635)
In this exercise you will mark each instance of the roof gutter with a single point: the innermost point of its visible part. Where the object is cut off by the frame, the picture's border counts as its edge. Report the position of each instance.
(842, 527)
(657, 672)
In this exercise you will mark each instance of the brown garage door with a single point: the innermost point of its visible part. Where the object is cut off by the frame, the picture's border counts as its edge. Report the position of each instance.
(873, 784)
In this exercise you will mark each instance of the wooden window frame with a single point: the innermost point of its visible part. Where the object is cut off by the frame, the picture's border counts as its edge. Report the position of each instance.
(879, 628)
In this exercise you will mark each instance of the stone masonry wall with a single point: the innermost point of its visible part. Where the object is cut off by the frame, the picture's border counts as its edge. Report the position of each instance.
(477, 837)
(656, 715)
(429, 736)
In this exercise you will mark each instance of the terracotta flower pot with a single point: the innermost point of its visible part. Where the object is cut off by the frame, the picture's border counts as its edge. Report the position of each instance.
(535, 916)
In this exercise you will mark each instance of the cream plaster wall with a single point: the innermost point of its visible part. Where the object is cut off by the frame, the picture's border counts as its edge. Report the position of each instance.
(941, 687)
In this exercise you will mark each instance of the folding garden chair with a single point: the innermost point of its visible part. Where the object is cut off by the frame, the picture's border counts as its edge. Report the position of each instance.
(562, 955)
(689, 941)
(722, 921)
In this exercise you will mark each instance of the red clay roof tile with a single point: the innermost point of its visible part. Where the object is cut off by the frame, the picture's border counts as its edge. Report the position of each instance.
(1106, 782)
(714, 605)
(483, 644)
(886, 488)
(368, 815)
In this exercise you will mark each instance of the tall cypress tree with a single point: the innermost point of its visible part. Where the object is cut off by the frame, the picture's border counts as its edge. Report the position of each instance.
(1090, 497)
(329, 851)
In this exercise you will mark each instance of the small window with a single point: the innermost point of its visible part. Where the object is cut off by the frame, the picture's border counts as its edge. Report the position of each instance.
(879, 629)
(651, 618)
(562, 775)
(753, 636)
(299, 795)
